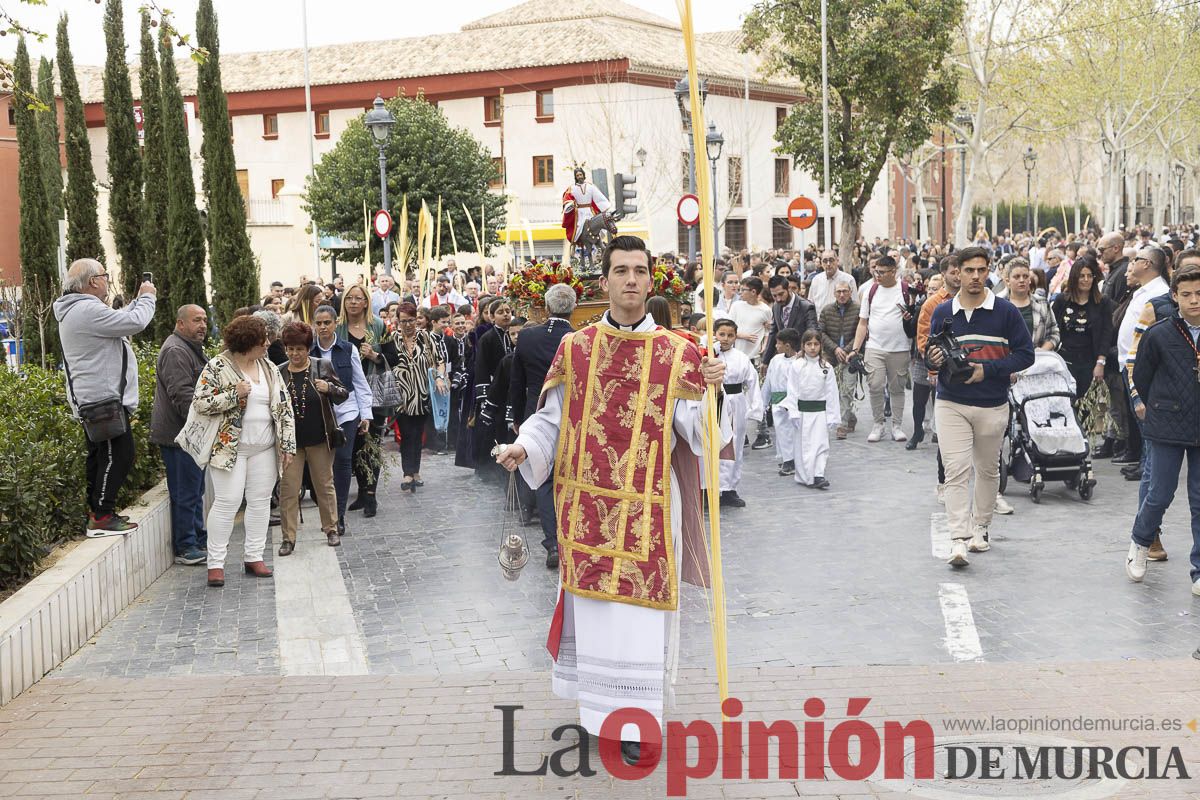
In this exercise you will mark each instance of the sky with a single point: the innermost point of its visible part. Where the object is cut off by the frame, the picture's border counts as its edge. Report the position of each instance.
(248, 25)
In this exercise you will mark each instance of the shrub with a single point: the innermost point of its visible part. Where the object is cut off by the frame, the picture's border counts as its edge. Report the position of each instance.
(43, 487)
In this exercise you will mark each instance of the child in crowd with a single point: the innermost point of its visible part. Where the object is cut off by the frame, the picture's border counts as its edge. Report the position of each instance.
(812, 404)
(742, 402)
(774, 390)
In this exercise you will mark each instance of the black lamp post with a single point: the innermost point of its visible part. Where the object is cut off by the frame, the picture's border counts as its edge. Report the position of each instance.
(683, 99)
(964, 120)
(713, 142)
(1179, 170)
(380, 121)
(1030, 161)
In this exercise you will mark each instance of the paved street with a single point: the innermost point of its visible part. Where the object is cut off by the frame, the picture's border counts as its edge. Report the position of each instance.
(832, 594)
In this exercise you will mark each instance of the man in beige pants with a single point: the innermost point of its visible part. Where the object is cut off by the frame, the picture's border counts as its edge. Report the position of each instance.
(882, 311)
(972, 410)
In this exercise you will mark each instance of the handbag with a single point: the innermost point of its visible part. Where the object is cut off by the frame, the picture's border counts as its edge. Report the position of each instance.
(440, 404)
(335, 437)
(198, 435)
(103, 420)
(384, 391)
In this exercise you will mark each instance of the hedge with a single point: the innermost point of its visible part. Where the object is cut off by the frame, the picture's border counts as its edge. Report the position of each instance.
(43, 487)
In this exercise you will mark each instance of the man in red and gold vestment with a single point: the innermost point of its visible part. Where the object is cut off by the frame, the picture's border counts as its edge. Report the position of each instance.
(620, 428)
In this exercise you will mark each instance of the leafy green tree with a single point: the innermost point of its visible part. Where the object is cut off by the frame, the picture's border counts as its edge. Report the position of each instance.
(83, 221)
(39, 259)
(426, 158)
(890, 83)
(157, 196)
(185, 239)
(48, 133)
(231, 261)
(124, 161)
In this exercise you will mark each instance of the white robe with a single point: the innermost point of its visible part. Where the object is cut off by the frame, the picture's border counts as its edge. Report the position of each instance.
(612, 655)
(777, 381)
(454, 299)
(738, 409)
(584, 195)
(809, 379)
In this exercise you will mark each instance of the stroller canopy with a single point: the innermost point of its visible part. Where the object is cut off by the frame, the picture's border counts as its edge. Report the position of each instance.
(1044, 392)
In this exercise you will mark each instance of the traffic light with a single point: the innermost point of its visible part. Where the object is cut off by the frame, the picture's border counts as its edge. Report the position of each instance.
(623, 194)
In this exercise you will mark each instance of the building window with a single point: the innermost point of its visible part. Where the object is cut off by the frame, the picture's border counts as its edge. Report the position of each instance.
(781, 233)
(12, 115)
(821, 232)
(783, 174)
(735, 180)
(276, 187)
(497, 180)
(780, 115)
(491, 110)
(686, 177)
(321, 118)
(543, 170)
(270, 126)
(243, 179)
(735, 234)
(545, 105)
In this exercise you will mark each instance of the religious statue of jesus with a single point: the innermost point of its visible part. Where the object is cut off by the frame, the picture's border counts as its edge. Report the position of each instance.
(581, 201)
(620, 426)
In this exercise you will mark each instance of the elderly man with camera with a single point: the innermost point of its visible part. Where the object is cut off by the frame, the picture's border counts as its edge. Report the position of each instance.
(102, 381)
(977, 341)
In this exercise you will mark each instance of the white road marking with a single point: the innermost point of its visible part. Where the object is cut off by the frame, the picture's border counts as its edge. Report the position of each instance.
(318, 634)
(939, 536)
(962, 639)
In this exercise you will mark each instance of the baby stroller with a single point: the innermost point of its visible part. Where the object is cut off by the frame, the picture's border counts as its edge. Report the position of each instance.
(1044, 441)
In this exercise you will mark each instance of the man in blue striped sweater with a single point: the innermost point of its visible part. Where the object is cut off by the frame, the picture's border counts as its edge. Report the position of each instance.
(972, 415)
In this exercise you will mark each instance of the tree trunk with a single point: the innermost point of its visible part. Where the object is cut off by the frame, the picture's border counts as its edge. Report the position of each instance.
(851, 230)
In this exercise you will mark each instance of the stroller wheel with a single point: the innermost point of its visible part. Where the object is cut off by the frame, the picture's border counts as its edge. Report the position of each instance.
(1085, 491)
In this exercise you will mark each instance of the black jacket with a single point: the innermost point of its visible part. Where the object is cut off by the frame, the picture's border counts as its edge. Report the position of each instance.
(1103, 331)
(1165, 375)
(1115, 284)
(179, 366)
(803, 317)
(536, 348)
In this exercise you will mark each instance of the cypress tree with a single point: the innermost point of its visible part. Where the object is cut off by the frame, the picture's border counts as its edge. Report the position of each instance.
(83, 220)
(48, 133)
(157, 195)
(234, 271)
(39, 261)
(124, 161)
(185, 241)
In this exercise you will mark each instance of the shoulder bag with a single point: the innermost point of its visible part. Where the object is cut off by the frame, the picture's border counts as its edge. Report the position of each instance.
(103, 420)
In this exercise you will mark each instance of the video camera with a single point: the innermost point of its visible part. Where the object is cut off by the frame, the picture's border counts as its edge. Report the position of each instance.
(955, 368)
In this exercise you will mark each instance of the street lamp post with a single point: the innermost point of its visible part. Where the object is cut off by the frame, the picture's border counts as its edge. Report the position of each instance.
(713, 142)
(1030, 161)
(683, 100)
(1179, 170)
(964, 119)
(380, 121)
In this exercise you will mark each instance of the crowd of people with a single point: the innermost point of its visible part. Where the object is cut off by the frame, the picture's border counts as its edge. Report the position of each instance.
(310, 381)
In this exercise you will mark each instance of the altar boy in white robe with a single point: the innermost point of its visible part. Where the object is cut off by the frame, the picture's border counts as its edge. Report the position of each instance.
(742, 403)
(621, 419)
(774, 390)
(812, 404)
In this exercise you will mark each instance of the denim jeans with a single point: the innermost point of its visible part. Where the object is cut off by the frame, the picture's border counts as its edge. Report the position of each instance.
(1166, 465)
(343, 466)
(185, 484)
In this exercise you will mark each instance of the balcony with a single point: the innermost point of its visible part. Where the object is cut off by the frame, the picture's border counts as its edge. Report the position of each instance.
(266, 211)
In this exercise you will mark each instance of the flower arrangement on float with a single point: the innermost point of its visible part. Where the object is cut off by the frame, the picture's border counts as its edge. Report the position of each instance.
(527, 287)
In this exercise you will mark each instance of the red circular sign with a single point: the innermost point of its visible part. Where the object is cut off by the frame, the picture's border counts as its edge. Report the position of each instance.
(688, 209)
(802, 213)
(382, 224)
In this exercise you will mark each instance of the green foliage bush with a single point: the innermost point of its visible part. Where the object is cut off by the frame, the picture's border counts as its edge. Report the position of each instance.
(43, 487)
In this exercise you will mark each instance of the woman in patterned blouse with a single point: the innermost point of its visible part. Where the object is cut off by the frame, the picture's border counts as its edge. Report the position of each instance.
(416, 356)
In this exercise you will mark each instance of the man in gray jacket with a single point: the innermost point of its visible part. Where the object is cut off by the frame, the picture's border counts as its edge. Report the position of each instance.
(94, 348)
(180, 360)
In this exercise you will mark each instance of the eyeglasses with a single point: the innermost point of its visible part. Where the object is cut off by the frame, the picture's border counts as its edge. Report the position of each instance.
(828, 260)
(409, 321)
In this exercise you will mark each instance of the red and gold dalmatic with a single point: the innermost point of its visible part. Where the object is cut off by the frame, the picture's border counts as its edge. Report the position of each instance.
(612, 469)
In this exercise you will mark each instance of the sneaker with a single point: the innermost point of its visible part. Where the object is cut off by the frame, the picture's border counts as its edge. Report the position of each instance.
(1002, 506)
(820, 483)
(787, 468)
(108, 525)
(842, 431)
(898, 433)
(1134, 475)
(941, 493)
(1135, 562)
(730, 498)
(1156, 551)
(192, 557)
(958, 553)
(979, 541)
(876, 433)
(761, 443)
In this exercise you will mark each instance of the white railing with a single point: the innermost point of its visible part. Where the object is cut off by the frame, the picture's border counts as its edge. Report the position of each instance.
(266, 211)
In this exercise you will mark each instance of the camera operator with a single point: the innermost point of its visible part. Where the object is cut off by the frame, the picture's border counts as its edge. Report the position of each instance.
(972, 407)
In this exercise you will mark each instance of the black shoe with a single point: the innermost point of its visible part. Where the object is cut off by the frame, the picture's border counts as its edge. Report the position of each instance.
(1127, 458)
(1136, 475)
(1105, 450)
(820, 483)
(787, 468)
(761, 443)
(731, 498)
(552, 559)
(370, 505)
(1128, 469)
(359, 502)
(915, 439)
(341, 528)
(273, 521)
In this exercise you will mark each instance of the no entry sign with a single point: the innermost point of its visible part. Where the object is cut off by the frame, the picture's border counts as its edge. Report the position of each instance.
(382, 224)
(688, 209)
(802, 213)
